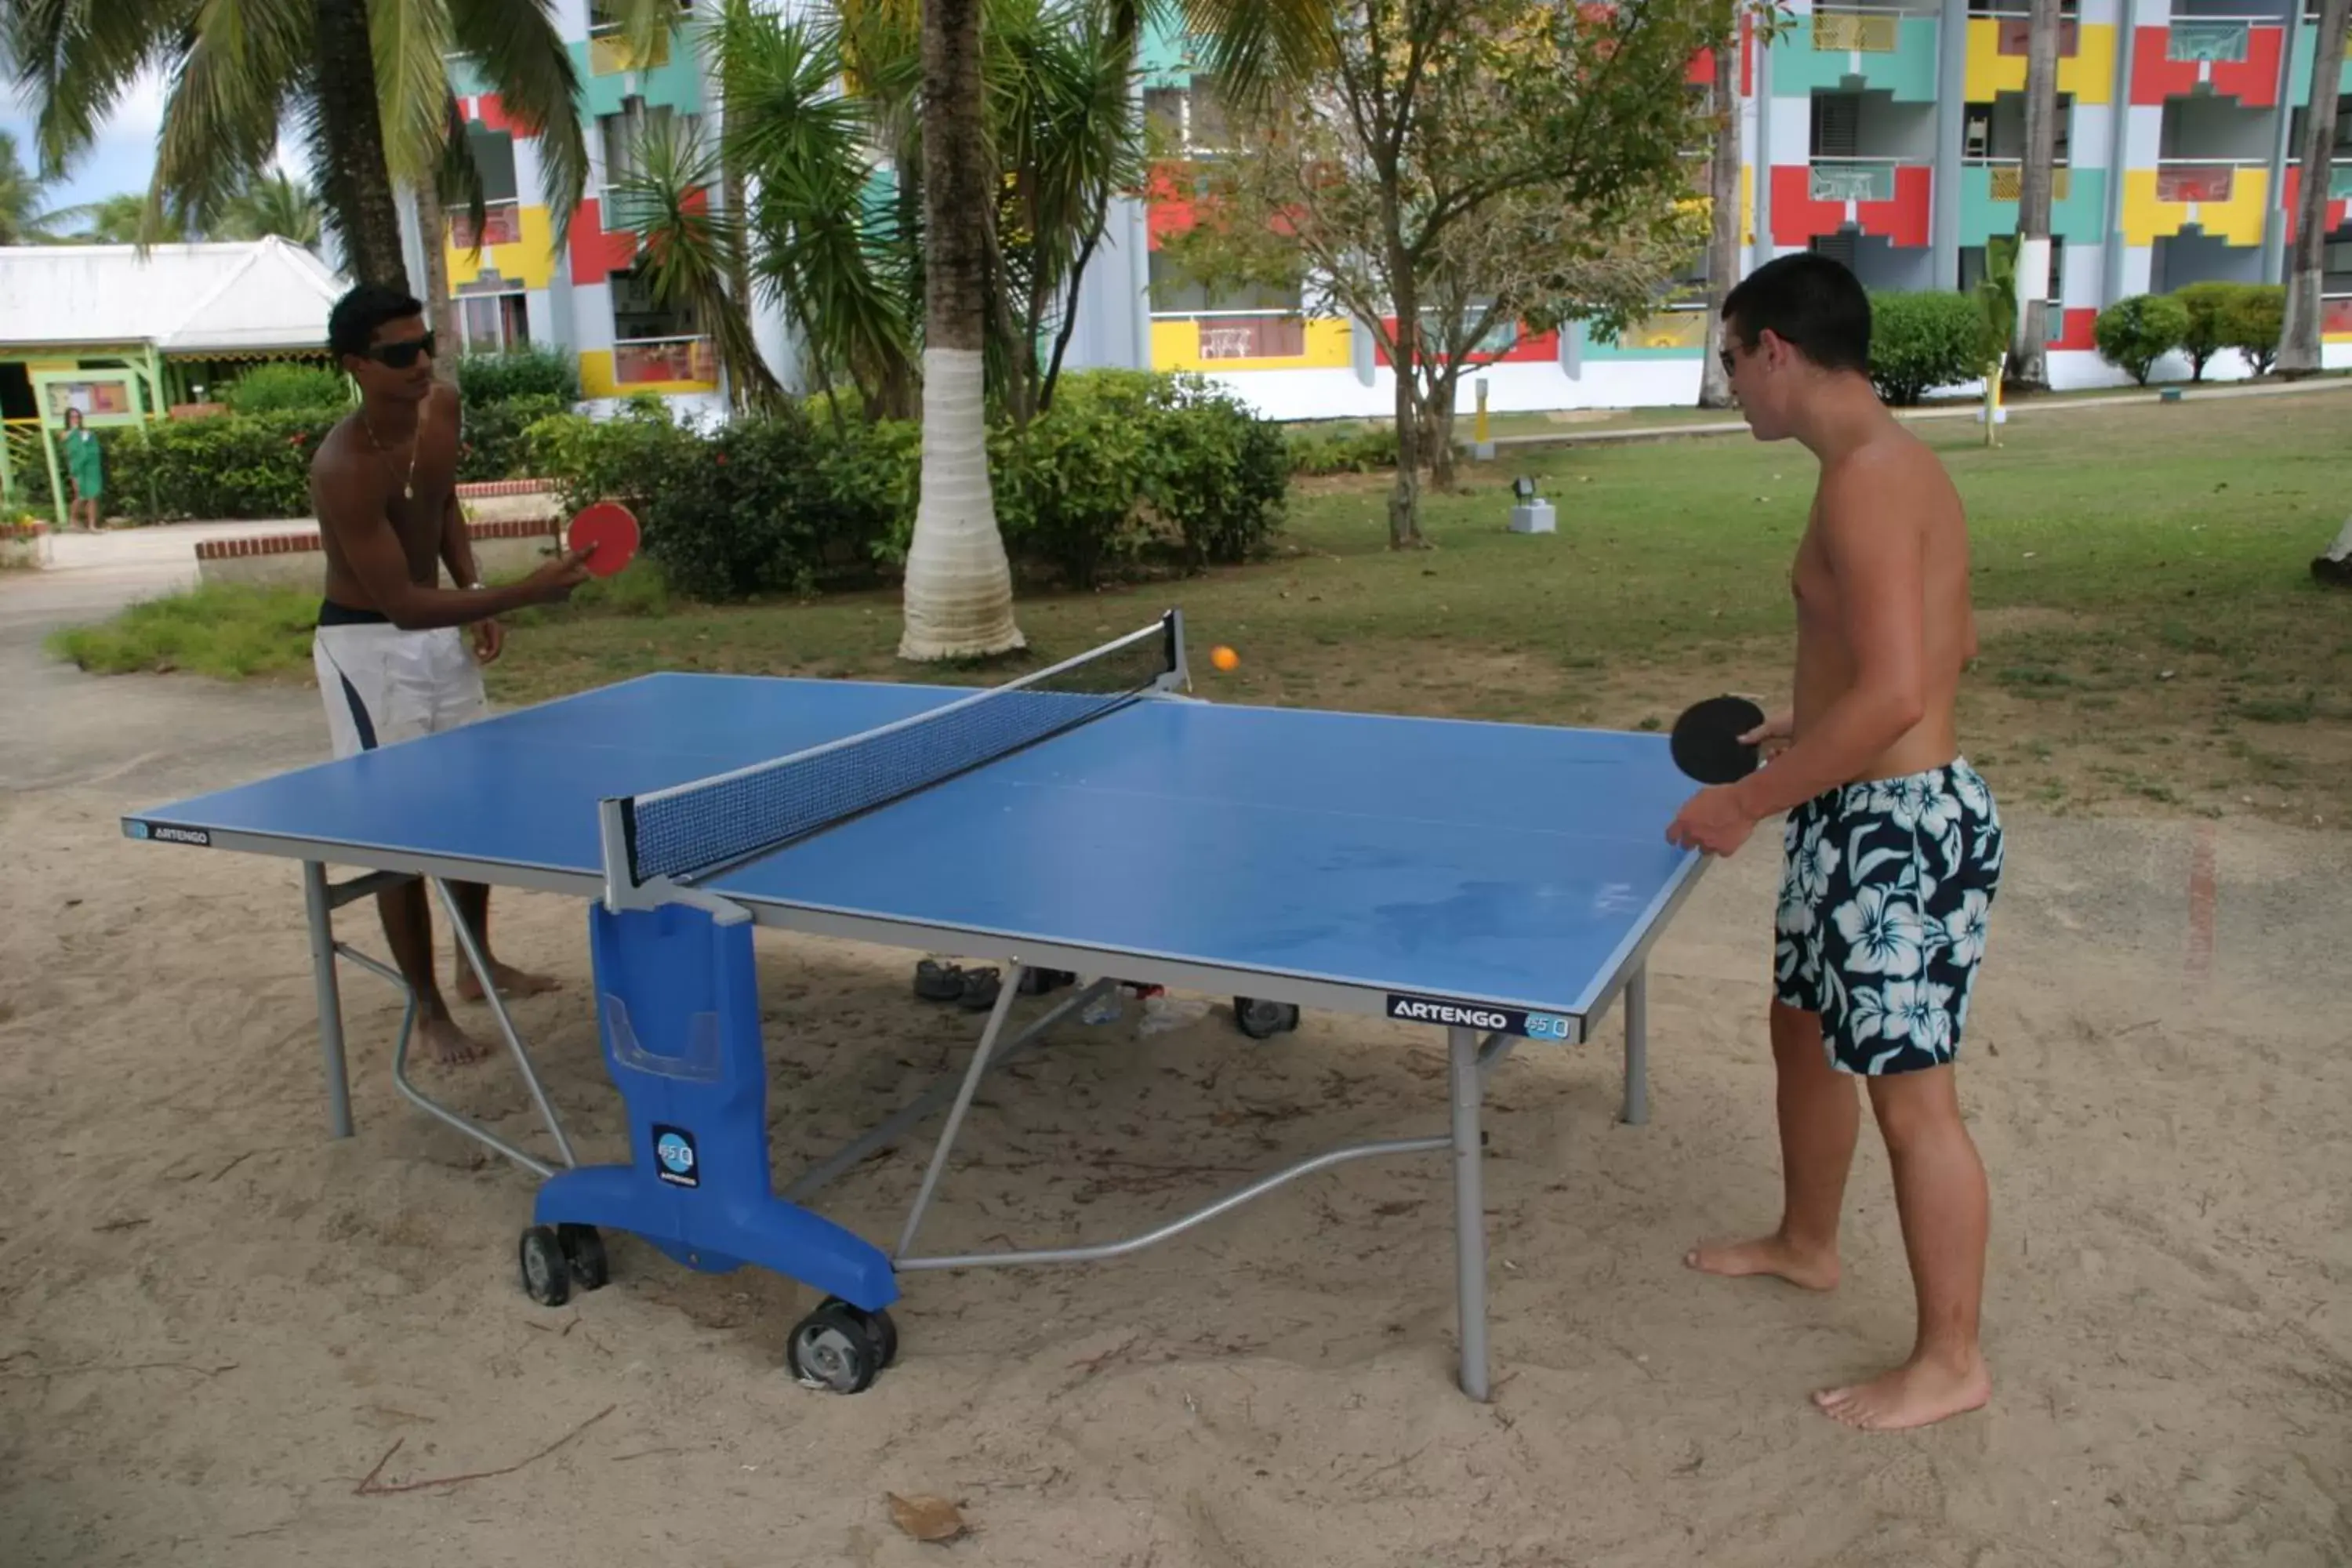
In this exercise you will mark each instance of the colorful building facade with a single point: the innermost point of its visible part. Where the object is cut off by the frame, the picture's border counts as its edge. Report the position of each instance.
(1887, 133)
(1891, 135)
(513, 285)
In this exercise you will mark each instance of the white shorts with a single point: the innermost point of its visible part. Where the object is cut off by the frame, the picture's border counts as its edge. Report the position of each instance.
(381, 684)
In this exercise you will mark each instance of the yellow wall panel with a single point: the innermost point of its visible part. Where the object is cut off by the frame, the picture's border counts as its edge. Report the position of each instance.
(1176, 346)
(598, 379)
(596, 374)
(2238, 220)
(529, 260)
(2089, 73)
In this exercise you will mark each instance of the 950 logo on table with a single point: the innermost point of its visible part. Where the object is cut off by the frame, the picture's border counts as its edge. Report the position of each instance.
(1479, 1015)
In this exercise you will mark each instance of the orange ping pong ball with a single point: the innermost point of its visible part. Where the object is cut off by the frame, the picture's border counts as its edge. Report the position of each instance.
(1223, 658)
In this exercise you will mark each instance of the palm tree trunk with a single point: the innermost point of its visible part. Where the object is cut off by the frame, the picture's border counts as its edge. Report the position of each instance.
(433, 226)
(352, 176)
(738, 266)
(959, 588)
(1723, 215)
(2299, 341)
(2032, 356)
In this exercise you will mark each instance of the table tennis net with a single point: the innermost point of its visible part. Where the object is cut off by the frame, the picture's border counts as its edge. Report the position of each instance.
(718, 822)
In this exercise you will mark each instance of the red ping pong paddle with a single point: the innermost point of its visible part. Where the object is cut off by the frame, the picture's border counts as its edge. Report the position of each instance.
(609, 531)
(1706, 741)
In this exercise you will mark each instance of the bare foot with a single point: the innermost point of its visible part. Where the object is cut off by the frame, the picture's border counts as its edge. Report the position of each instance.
(1919, 1392)
(512, 982)
(447, 1043)
(1766, 1255)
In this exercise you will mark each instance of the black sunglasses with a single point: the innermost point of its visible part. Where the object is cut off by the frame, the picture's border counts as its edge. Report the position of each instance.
(402, 355)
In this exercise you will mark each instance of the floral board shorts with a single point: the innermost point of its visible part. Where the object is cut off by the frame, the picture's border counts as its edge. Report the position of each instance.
(1881, 919)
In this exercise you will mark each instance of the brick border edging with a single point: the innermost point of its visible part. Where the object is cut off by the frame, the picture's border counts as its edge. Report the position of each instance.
(481, 488)
(296, 543)
(22, 531)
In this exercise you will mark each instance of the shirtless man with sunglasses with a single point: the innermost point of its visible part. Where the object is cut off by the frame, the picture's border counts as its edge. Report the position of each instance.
(391, 661)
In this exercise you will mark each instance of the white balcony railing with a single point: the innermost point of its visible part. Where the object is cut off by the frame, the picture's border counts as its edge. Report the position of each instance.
(1244, 334)
(2220, 40)
(501, 224)
(1856, 179)
(2201, 179)
(637, 361)
(2009, 178)
(1864, 29)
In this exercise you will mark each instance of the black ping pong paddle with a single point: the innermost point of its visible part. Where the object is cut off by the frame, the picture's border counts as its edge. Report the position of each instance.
(1706, 741)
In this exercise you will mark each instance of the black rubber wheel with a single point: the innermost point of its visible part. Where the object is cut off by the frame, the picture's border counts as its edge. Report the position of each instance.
(833, 1348)
(878, 1326)
(1264, 1020)
(546, 1274)
(583, 1249)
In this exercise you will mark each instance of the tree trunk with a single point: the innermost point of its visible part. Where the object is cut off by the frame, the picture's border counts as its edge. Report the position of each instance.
(738, 266)
(2032, 355)
(1404, 301)
(1438, 433)
(959, 588)
(2299, 341)
(353, 180)
(1404, 499)
(433, 228)
(1723, 236)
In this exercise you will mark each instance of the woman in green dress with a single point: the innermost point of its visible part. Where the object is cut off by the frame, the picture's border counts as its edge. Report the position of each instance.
(87, 466)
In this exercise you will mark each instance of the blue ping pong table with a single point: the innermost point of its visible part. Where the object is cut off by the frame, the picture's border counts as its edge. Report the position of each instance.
(1092, 823)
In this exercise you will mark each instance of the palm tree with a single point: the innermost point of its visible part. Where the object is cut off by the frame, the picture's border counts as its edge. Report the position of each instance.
(273, 204)
(22, 221)
(2032, 345)
(122, 219)
(959, 585)
(239, 70)
(692, 254)
(2299, 343)
(1723, 214)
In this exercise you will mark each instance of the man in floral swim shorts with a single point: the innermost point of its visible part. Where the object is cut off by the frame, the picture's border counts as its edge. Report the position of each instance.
(1893, 843)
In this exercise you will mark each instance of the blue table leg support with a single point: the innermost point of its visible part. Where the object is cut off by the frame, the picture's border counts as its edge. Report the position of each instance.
(678, 1007)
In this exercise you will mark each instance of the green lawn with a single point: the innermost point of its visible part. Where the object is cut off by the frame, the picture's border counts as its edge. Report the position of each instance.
(2150, 632)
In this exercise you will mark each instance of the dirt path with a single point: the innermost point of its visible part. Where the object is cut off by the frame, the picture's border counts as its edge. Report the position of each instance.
(215, 1325)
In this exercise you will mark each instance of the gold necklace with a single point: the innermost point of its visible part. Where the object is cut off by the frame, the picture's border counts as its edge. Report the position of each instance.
(416, 443)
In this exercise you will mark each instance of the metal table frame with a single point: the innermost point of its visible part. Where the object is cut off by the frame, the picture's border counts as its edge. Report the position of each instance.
(1472, 1055)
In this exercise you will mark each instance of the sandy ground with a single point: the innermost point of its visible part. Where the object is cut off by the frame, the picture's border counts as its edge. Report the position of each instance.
(216, 1323)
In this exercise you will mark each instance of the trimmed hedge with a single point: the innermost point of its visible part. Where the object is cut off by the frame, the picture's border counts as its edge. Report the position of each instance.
(2136, 332)
(226, 466)
(1924, 340)
(541, 370)
(1128, 472)
(492, 445)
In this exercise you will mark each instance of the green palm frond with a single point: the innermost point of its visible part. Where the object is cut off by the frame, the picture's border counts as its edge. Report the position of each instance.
(687, 250)
(514, 45)
(274, 204)
(1255, 48)
(21, 219)
(74, 58)
(411, 41)
(229, 91)
(830, 253)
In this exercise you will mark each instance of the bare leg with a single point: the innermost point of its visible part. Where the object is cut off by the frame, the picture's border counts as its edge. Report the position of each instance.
(1939, 1192)
(1821, 1116)
(475, 899)
(408, 928)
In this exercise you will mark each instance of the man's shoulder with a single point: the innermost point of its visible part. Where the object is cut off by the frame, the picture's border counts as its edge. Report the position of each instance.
(1894, 467)
(341, 462)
